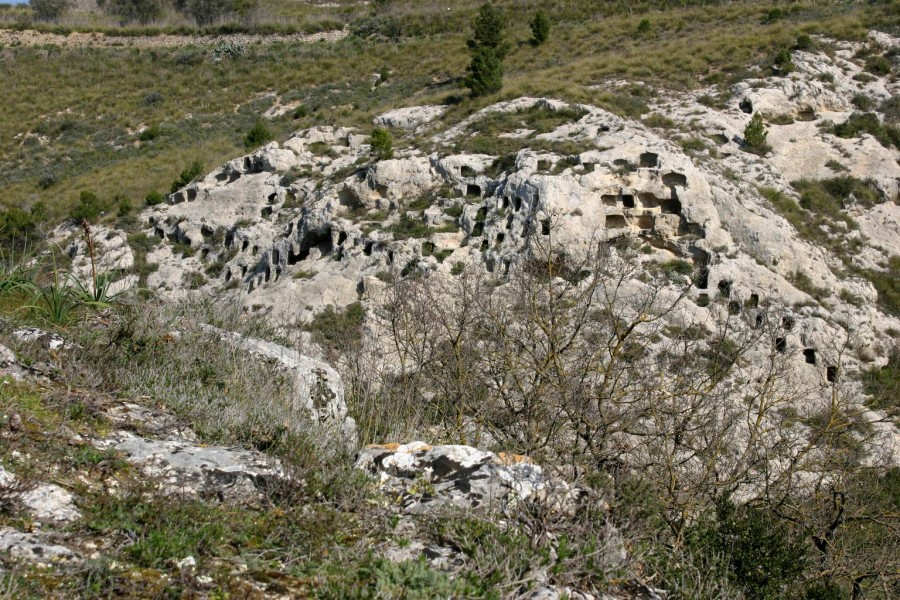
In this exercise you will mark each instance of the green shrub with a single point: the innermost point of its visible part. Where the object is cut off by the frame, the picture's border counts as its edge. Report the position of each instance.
(644, 27)
(16, 226)
(861, 123)
(258, 135)
(48, 10)
(878, 65)
(382, 144)
(782, 62)
(776, 14)
(154, 198)
(755, 135)
(882, 384)
(333, 328)
(188, 174)
(804, 42)
(87, 209)
(761, 555)
(485, 73)
(891, 109)
(124, 207)
(540, 28)
(149, 134)
(863, 102)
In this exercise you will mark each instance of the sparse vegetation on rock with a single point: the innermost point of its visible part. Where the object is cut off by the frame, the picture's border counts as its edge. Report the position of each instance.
(755, 135)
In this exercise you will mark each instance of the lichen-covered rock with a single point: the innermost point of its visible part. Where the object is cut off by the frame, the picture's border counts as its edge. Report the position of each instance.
(50, 502)
(318, 388)
(8, 363)
(33, 547)
(182, 467)
(418, 477)
(49, 340)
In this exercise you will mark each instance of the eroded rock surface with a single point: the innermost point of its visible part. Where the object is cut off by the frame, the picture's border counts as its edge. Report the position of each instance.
(50, 502)
(419, 477)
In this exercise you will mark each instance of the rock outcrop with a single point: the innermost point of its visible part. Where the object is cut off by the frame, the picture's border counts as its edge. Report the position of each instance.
(418, 477)
(181, 466)
(298, 226)
(318, 389)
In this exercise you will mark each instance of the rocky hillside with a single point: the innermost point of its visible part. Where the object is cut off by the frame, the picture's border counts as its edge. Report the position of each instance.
(297, 226)
(545, 351)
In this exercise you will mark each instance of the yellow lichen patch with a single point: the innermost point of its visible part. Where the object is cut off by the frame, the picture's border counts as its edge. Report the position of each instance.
(392, 446)
(513, 459)
(405, 448)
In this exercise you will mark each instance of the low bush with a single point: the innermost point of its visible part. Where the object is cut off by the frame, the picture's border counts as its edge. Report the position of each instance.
(153, 198)
(258, 135)
(782, 62)
(861, 123)
(187, 175)
(334, 329)
(88, 208)
(382, 144)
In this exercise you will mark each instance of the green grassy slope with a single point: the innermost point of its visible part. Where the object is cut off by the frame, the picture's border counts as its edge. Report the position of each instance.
(70, 118)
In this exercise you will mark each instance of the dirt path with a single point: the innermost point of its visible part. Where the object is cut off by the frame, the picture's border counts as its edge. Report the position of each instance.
(100, 40)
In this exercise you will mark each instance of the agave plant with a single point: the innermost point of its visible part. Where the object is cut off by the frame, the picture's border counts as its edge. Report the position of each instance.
(53, 303)
(95, 293)
(98, 291)
(15, 274)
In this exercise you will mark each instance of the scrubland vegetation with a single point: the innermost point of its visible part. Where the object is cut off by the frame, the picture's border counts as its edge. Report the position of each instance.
(683, 528)
(117, 121)
(778, 498)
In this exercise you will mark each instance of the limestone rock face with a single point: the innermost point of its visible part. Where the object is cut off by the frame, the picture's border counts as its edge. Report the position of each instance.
(315, 221)
(34, 547)
(318, 389)
(410, 118)
(419, 477)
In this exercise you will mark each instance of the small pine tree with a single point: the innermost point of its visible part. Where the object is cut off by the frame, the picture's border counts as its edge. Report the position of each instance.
(540, 28)
(782, 62)
(382, 144)
(488, 51)
(488, 31)
(258, 136)
(87, 209)
(755, 135)
(485, 73)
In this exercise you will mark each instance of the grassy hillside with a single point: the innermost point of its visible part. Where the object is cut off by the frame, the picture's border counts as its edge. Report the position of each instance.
(72, 118)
